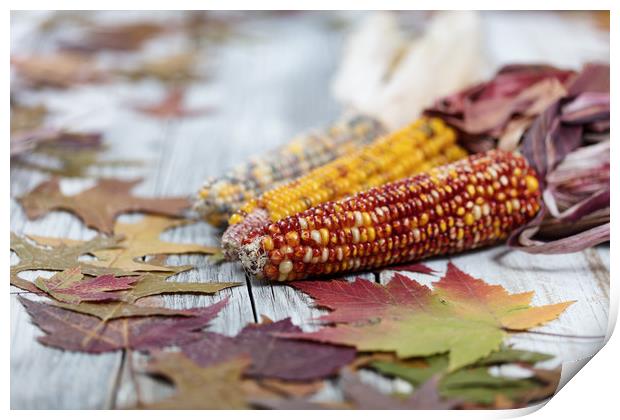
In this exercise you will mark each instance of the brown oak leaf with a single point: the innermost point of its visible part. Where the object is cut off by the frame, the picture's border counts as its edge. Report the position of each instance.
(200, 388)
(98, 206)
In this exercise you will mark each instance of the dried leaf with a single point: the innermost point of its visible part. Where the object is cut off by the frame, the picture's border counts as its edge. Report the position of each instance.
(69, 330)
(107, 311)
(361, 396)
(171, 106)
(365, 397)
(67, 161)
(70, 286)
(462, 316)
(61, 70)
(67, 141)
(141, 239)
(26, 118)
(475, 383)
(413, 268)
(59, 258)
(270, 388)
(177, 68)
(217, 387)
(155, 284)
(272, 357)
(98, 206)
(125, 37)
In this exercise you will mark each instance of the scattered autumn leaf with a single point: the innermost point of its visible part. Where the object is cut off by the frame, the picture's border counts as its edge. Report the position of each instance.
(171, 106)
(70, 286)
(61, 70)
(270, 388)
(107, 311)
(67, 141)
(361, 396)
(148, 284)
(125, 37)
(413, 268)
(69, 330)
(156, 284)
(473, 383)
(26, 118)
(271, 357)
(98, 206)
(206, 27)
(58, 258)
(141, 239)
(67, 161)
(365, 397)
(177, 68)
(200, 388)
(463, 316)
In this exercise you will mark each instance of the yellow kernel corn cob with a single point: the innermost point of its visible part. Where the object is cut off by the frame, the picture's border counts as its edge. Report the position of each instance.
(474, 202)
(426, 143)
(220, 197)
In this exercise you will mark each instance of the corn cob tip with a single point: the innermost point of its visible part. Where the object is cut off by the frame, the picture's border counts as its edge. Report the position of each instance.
(234, 234)
(253, 257)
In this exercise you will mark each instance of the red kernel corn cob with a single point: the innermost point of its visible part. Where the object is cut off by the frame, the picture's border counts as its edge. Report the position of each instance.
(425, 143)
(470, 203)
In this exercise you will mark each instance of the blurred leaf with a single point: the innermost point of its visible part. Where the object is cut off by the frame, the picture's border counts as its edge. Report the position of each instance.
(98, 206)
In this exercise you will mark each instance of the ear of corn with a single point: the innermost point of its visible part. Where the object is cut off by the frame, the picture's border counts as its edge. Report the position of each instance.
(471, 203)
(220, 197)
(426, 143)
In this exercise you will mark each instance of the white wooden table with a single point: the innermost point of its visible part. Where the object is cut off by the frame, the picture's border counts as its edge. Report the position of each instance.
(267, 86)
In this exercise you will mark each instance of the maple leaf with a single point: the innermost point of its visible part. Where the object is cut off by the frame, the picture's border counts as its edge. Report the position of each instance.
(413, 268)
(65, 253)
(26, 118)
(472, 383)
(156, 284)
(361, 396)
(206, 388)
(58, 258)
(171, 106)
(271, 357)
(57, 71)
(98, 206)
(70, 286)
(69, 330)
(125, 37)
(141, 239)
(365, 397)
(177, 68)
(68, 141)
(107, 311)
(462, 316)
